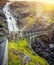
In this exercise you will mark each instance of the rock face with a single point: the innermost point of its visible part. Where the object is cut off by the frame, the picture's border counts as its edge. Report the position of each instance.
(24, 12)
(32, 17)
(44, 48)
(3, 23)
(2, 2)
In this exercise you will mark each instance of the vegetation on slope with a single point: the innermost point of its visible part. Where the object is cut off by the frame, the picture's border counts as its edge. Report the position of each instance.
(3, 28)
(21, 54)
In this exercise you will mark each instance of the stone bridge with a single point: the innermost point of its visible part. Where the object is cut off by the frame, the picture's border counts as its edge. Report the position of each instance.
(31, 35)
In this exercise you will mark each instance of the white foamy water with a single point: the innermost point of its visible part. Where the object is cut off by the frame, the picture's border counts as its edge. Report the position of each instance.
(12, 24)
(51, 45)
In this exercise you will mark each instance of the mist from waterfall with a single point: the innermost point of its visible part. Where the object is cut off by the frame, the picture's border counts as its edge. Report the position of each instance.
(12, 24)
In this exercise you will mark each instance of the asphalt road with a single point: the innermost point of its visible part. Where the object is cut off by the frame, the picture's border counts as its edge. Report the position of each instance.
(3, 45)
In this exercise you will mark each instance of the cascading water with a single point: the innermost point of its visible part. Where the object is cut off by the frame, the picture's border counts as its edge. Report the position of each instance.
(12, 24)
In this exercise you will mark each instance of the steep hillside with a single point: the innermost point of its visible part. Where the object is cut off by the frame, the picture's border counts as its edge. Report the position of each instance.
(21, 54)
(33, 15)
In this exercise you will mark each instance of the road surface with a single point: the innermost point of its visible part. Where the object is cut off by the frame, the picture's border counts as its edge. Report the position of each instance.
(3, 51)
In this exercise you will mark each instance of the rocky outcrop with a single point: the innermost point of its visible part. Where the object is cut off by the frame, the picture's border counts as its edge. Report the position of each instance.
(27, 15)
(44, 48)
(3, 23)
(2, 2)
(24, 58)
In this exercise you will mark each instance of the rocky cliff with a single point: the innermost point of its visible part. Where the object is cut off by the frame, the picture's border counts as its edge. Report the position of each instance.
(2, 2)
(31, 14)
(3, 22)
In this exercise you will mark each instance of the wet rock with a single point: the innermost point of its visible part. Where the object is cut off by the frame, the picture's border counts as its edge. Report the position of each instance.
(44, 50)
(3, 23)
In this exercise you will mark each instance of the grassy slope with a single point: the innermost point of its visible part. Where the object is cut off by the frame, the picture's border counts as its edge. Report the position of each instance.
(22, 47)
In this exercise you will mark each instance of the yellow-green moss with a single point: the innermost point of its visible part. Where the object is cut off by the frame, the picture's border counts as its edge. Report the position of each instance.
(22, 46)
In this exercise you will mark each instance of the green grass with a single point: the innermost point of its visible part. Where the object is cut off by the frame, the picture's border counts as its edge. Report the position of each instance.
(22, 47)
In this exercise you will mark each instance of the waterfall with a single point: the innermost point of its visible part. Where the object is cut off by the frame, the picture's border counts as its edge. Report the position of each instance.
(12, 24)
